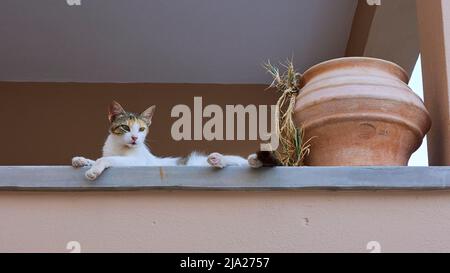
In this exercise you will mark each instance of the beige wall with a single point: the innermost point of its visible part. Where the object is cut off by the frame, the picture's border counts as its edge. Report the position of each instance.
(434, 29)
(49, 123)
(225, 221)
(387, 31)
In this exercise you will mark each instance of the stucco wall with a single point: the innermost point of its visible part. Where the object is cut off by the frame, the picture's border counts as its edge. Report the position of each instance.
(71, 118)
(154, 221)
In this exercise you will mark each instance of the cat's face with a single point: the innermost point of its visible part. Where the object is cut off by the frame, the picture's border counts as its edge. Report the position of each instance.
(129, 129)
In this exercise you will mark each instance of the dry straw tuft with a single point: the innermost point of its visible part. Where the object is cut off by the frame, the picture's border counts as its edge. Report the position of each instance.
(292, 150)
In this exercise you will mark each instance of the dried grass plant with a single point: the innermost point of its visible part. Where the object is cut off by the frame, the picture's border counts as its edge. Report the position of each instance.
(292, 149)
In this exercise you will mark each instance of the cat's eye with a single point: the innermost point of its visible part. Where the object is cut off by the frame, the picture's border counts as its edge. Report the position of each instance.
(142, 129)
(125, 128)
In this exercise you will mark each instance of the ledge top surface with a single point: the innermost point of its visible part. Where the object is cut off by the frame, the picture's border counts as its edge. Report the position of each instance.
(66, 178)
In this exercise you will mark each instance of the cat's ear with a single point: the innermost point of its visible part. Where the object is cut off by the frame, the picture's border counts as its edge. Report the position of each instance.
(148, 114)
(114, 110)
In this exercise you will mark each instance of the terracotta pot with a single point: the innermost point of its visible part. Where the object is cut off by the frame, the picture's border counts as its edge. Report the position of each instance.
(361, 113)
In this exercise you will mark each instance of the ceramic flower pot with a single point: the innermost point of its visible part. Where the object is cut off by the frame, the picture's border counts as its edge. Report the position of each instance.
(361, 113)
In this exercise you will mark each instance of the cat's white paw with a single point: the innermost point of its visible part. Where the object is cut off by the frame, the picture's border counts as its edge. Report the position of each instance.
(216, 160)
(254, 162)
(79, 161)
(93, 173)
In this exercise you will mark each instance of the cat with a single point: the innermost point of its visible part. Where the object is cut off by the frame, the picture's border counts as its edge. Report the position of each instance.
(125, 146)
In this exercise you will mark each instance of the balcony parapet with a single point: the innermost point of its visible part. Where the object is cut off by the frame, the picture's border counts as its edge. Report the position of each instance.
(66, 178)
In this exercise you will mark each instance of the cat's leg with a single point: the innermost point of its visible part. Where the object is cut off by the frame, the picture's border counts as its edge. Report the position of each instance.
(264, 159)
(221, 161)
(97, 168)
(216, 160)
(109, 161)
(254, 162)
(79, 161)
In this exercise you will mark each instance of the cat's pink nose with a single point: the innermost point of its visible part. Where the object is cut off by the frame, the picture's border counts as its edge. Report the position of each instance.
(134, 138)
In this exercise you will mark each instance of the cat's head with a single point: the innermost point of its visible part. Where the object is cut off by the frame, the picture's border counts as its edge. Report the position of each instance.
(129, 129)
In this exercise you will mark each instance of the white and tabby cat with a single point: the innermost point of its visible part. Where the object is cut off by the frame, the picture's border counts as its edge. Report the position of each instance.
(125, 146)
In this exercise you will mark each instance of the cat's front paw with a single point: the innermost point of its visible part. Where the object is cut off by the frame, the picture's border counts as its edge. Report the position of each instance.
(254, 162)
(216, 160)
(79, 161)
(93, 173)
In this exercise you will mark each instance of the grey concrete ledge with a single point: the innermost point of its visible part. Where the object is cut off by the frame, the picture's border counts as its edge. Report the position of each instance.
(66, 178)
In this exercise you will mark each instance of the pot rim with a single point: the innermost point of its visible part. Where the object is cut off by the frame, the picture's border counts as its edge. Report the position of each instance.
(327, 65)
